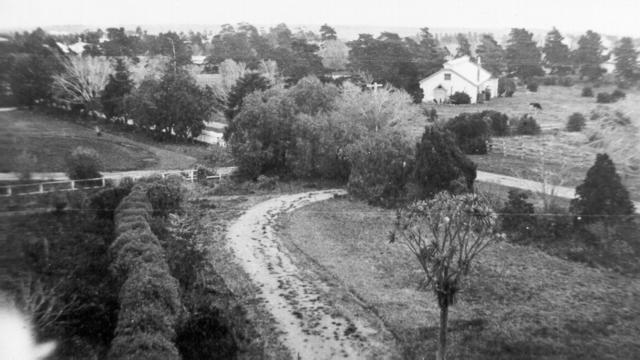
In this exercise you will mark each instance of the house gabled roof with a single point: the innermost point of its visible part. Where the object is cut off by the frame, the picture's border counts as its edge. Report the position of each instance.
(466, 69)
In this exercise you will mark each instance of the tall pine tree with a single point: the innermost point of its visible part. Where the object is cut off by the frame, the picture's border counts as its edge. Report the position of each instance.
(626, 61)
(589, 56)
(602, 196)
(118, 87)
(556, 53)
(523, 55)
(464, 47)
(492, 55)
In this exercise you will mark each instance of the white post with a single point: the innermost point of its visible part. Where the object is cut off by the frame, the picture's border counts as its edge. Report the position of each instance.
(103, 182)
(73, 184)
(41, 188)
(8, 190)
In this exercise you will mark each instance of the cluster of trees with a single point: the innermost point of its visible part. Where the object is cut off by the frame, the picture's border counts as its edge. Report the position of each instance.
(316, 130)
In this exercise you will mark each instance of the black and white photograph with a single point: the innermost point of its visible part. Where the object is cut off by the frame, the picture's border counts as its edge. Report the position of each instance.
(319, 180)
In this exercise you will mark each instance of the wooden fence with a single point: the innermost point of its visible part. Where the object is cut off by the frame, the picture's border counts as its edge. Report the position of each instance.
(71, 185)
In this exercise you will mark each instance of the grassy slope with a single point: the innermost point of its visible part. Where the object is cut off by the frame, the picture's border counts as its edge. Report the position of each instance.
(558, 103)
(50, 139)
(519, 303)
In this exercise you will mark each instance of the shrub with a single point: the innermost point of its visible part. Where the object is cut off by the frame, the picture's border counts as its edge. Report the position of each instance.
(618, 94)
(133, 223)
(206, 332)
(471, 132)
(565, 81)
(266, 182)
(506, 86)
(139, 251)
(459, 98)
(532, 86)
(604, 98)
(550, 80)
(104, 202)
(380, 168)
(576, 122)
(129, 236)
(517, 216)
(498, 122)
(165, 196)
(142, 346)
(83, 163)
(527, 125)
(441, 165)
(587, 92)
(149, 286)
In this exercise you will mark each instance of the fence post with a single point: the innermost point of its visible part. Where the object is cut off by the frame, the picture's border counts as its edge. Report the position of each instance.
(73, 184)
(41, 189)
(103, 182)
(191, 175)
(9, 190)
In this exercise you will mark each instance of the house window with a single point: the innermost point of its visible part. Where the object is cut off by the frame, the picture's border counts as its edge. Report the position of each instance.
(447, 76)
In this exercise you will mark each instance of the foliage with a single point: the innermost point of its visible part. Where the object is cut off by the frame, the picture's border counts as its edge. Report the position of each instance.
(464, 47)
(143, 346)
(459, 98)
(381, 166)
(523, 55)
(498, 122)
(471, 132)
(119, 85)
(602, 196)
(532, 86)
(588, 56)
(446, 234)
(327, 33)
(604, 98)
(244, 86)
(617, 94)
(260, 136)
(312, 97)
(334, 54)
(441, 165)
(172, 106)
(398, 62)
(104, 202)
(587, 91)
(165, 195)
(626, 61)
(83, 163)
(556, 53)
(506, 86)
(576, 122)
(492, 55)
(527, 125)
(82, 81)
(517, 214)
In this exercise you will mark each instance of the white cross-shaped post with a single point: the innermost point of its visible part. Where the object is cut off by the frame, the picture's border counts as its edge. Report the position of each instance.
(374, 86)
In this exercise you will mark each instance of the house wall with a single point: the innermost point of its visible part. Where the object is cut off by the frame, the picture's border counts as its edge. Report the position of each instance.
(457, 83)
(493, 86)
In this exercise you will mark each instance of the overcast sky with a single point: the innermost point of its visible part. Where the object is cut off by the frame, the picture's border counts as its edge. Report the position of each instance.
(617, 17)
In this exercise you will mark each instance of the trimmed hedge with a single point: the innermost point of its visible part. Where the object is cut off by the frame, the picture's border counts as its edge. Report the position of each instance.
(149, 297)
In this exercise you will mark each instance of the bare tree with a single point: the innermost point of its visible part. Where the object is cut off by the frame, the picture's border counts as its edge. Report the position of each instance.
(82, 80)
(446, 234)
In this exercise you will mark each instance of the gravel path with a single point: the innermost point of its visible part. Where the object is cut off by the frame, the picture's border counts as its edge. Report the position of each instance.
(310, 328)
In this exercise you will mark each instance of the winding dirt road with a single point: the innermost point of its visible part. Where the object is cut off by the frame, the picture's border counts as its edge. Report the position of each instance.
(310, 328)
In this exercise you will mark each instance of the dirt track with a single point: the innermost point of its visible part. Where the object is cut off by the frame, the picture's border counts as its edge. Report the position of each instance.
(310, 328)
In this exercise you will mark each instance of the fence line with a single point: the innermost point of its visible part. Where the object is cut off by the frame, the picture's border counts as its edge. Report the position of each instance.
(96, 183)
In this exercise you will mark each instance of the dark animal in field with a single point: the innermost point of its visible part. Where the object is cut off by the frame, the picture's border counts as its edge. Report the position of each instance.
(535, 106)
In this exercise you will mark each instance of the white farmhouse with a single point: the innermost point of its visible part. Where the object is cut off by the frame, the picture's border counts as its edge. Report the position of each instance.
(458, 75)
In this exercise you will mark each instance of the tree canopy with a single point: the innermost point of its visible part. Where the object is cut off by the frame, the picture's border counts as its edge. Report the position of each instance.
(522, 54)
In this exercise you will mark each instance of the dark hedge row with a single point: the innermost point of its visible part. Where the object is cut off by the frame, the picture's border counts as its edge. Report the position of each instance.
(149, 296)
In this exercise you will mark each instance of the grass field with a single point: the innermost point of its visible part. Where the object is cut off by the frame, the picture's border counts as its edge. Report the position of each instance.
(558, 146)
(519, 303)
(50, 139)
